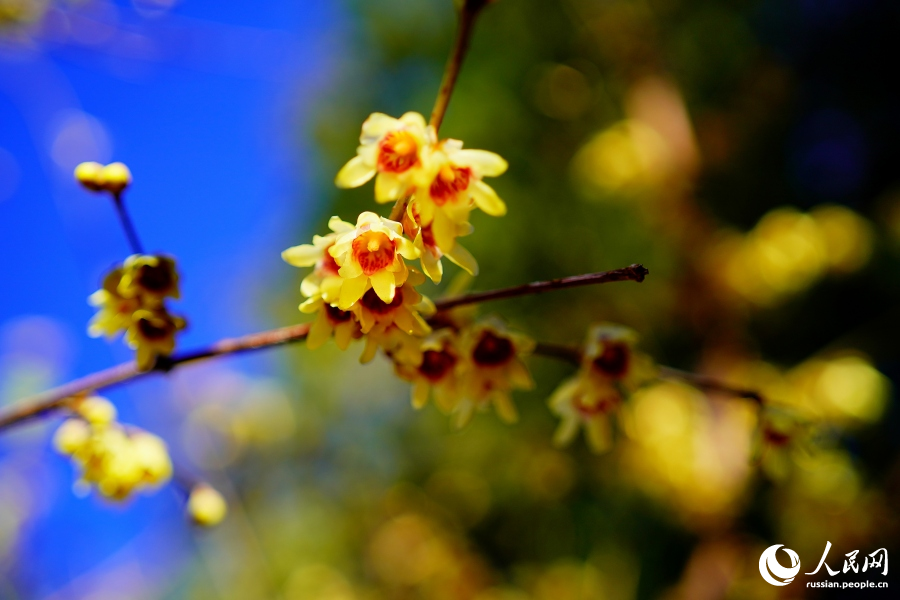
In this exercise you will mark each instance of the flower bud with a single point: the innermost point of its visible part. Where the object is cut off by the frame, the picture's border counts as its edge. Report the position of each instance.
(96, 410)
(88, 175)
(71, 436)
(206, 506)
(115, 177)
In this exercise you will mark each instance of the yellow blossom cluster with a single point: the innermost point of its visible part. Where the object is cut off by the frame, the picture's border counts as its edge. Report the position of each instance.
(361, 285)
(132, 300)
(116, 460)
(610, 369)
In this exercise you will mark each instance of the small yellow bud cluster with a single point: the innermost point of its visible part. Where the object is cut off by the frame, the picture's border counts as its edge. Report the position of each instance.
(361, 285)
(116, 461)
(206, 506)
(132, 300)
(112, 178)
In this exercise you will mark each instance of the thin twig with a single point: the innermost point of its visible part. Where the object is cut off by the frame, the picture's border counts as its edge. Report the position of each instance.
(710, 384)
(127, 225)
(51, 400)
(467, 14)
(630, 273)
(573, 355)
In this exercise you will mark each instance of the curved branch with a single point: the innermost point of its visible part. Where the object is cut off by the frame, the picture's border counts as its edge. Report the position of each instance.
(56, 398)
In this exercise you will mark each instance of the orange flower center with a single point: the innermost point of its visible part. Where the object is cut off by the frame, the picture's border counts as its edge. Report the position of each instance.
(493, 350)
(614, 360)
(449, 183)
(436, 364)
(378, 306)
(373, 251)
(397, 152)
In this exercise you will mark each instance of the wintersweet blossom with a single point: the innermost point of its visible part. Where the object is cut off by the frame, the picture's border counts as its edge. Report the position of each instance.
(330, 321)
(114, 310)
(372, 255)
(493, 367)
(152, 334)
(150, 278)
(450, 184)
(585, 401)
(324, 281)
(405, 310)
(399, 345)
(115, 460)
(429, 252)
(609, 355)
(781, 434)
(390, 151)
(436, 374)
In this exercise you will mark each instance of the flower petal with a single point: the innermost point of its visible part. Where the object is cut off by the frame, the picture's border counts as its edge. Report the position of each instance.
(566, 431)
(355, 173)
(464, 259)
(444, 231)
(352, 290)
(343, 335)
(383, 284)
(304, 255)
(505, 408)
(487, 199)
(486, 164)
(407, 249)
(376, 126)
(420, 391)
(369, 351)
(319, 331)
(338, 226)
(350, 269)
(388, 187)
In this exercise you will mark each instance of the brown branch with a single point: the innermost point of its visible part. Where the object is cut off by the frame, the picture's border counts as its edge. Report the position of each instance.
(703, 382)
(710, 384)
(632, 273)
(51, 400)
(467, 15)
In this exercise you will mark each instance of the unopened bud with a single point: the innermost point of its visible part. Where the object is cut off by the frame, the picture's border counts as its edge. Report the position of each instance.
(88, 175)
(115, 177)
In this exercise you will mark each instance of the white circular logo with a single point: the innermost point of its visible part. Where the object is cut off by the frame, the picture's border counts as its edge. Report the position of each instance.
(769, 566)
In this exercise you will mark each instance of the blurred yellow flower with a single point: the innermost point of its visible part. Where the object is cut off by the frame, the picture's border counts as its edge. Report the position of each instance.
(430, 253)
(113, 178)
(436, 373)
(115, 310)
(206, 506)
(152, 334)
(372, 255)
(330, 321)
(150, 278)
(492, 367)
(391, 149)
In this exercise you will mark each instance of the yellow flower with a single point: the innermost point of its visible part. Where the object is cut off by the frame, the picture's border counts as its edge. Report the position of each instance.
(450, 185)
(399, 345)
(781, 433)
(430, 253)
(206, 506)
(330, 320)
(324, 280)
(609, 355)
(95, 410)
(436, 373)
(492, 368)
(589, 402)
(109, 457)
(150, 278)
(405, 310)
(372, 254)
(88, 175)
(391, 149)
(115, 311)
(152, 334)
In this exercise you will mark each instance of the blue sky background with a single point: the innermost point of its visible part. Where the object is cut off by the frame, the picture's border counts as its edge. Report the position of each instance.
(206, 104)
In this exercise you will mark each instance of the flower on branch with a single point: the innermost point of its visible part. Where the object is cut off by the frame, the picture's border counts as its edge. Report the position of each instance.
(492, 366)
(152, 334)
(112, 178)
(116, 461)
(436, 374)
(115, 310)
(372, 255)
(610, 369)
(430, 253)
(390, 151)
(150, 278)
